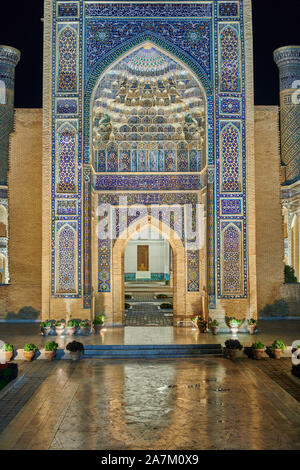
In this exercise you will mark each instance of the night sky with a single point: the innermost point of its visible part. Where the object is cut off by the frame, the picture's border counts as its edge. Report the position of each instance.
(275, 24)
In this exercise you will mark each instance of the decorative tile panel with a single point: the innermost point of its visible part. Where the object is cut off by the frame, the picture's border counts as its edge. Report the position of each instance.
(207, 40)
(146, 182)
(67, 106)
(67, 60)
(66, 257)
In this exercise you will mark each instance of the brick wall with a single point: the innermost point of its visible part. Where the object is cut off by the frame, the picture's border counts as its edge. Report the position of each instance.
(269, 223)
(25, 215)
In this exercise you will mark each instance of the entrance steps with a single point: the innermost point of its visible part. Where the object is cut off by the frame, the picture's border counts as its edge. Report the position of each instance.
(156, 351)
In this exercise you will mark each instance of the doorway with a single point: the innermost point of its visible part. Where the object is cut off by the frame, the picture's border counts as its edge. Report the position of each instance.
(148, 280)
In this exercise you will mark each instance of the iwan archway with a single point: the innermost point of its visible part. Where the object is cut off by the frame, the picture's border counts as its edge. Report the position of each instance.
(152, 103)
(148, 132)
(179, 266)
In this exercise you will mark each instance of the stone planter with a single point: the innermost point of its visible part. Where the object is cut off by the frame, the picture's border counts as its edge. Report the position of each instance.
(98, 328)
(75, 356)
(71, 330)
(7, 355)
(50, 355)
(251, 329)
(234, 330)
(59, 330)
(231, 353)
(277, 353)
(28, 355)
(258, 353)
(46, 330)
(214, 329)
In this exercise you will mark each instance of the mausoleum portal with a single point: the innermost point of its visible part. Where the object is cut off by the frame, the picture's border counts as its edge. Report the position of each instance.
(148, 122)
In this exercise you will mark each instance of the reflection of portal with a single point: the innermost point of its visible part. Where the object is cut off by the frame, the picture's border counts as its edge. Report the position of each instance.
(143, 257)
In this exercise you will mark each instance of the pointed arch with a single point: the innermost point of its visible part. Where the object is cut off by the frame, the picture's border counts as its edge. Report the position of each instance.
(229, 59)
(230, 140)
(231, 260)
(179, 266)
(66, 260)
(106, 63)
(67, 60)
(66, 161)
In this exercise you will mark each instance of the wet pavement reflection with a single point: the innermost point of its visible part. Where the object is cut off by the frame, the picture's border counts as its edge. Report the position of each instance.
(208, 403)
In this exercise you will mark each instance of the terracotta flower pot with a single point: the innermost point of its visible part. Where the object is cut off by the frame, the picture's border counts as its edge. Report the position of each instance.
(277, 353)
(258, 353)
(71, 330)
(46, 330)
(214, 329)
(59, 330)
(98, 328)
(251, 329)
(231, 353)
(50, 355)
(28, 355)
(75, 356)
(7, 355)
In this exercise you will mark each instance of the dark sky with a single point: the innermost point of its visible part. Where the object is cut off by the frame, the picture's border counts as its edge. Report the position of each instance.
(275, 24)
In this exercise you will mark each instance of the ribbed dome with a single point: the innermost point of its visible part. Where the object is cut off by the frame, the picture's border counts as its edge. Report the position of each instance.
(148, 61)
(148, 109)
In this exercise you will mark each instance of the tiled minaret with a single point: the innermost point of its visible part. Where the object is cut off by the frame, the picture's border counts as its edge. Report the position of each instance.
(9, 57)
(288, 61)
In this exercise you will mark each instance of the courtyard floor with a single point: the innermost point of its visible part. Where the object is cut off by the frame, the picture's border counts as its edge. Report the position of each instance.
(210, 403)
(20, 333)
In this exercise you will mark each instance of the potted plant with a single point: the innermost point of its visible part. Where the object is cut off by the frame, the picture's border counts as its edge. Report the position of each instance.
(251, 325)
(7, 352)
(98, 323)
(128, 297)
(232, 346)
(234, 324)
(277, 348)
(50, 350)
(46, 327)
(85, 327)
(127, 306)
(71, 327)
(162, 296)
(200, 323)
(258, 349)
(29, 351)
(298, 350)
(76, 349)
(214, 327)
(59, 327)
(166, 306)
